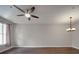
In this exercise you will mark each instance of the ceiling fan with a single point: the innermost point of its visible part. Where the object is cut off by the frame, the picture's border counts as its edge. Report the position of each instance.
(27, 13)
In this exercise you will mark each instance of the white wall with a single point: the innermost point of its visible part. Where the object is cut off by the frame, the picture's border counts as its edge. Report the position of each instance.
(42, 35)
(75, 37)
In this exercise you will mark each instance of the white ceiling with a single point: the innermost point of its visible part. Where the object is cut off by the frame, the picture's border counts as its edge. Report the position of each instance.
(48, 14)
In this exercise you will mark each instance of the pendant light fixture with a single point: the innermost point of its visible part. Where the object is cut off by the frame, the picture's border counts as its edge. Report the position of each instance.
(70, 29)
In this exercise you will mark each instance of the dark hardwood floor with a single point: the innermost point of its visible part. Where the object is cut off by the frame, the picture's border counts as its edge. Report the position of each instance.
(54, 50)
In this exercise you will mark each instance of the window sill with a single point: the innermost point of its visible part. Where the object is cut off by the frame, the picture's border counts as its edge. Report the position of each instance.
(4, 45)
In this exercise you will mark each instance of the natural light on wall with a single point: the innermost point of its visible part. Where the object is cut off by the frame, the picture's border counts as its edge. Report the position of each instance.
(2, 34)
(63, 17)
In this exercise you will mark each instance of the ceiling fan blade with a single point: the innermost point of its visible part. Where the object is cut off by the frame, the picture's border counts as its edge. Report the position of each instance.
(21, 15)
(29, 19)
(34, 16)
(19, 8)
(32, 9)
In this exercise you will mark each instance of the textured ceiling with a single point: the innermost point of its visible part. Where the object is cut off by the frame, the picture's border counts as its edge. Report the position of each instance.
(48, 14)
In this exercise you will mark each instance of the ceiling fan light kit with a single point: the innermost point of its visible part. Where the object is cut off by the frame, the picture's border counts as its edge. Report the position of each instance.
(70, 29)
(27, 15)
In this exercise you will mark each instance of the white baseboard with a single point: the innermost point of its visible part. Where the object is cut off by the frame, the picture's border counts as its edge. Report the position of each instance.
(40, 46)
(75, 47)
(6, 49)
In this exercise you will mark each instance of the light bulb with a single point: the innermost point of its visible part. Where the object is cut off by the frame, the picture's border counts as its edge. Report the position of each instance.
(70, 29)
(27, 15)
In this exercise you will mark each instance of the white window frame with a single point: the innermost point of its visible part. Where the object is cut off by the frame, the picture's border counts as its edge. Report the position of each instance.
(3, 35)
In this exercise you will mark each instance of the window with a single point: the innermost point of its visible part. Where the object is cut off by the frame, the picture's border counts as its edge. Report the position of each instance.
(2, 34)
